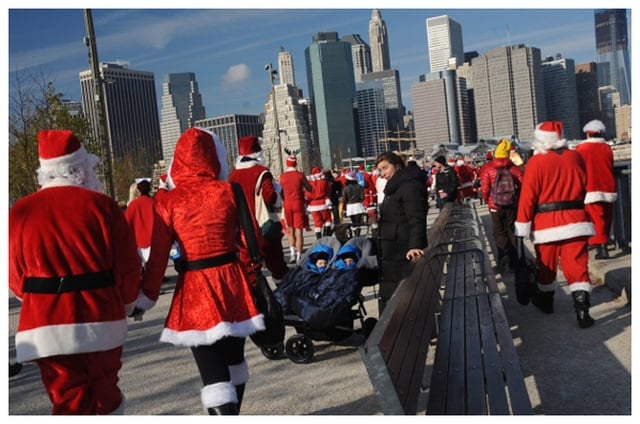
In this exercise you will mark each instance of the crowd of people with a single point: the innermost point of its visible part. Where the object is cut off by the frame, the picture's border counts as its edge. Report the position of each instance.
(93, 266)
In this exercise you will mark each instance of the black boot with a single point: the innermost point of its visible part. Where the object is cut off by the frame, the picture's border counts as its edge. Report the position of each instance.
(318, 235)
(544, 301)
(226, 409)
(240, 393)
(582, 303)
(602, 252)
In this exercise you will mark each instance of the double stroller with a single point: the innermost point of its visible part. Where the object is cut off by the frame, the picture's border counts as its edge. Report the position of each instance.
(321, 297)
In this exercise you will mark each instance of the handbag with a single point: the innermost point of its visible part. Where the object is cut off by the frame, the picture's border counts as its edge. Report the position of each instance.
(264, 299)
(267, 216)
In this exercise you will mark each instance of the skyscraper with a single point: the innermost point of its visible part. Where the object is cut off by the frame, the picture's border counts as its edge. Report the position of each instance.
(379, 43)
(587, 92)
(612, 47)
(285, 67)
(372, 117)
(181, 107)
(508, 89)
(360, 54)
(445, 43)
(561, 99)
(132, 123)
(332, 92)
(390, 80)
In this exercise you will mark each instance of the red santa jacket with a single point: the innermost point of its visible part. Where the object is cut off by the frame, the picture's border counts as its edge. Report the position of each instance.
(598, 160)
(63, 231)
(293, 191)
(556, 176)
(319, 197)
(139, 214)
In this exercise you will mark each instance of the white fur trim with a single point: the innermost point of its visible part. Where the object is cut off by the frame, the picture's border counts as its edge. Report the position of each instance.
(239, 373)
(120, 409)
(71, 159)
(212, 335)
(547, 140)
(316, 208)
(562, 232)
(465, 185)
(547, 287)
(600, 196)
(144, 302)
(259, 160)
(522, 229)
(66, 339)
(593, 140)
(580, 285)
(594, 126)
(218, 394)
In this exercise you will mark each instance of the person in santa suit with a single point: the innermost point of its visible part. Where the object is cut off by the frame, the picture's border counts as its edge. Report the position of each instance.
(140, 214)
(319, 203)
(74, 266)
(465, 178)
(212, 310)
(601, 184)
(248, 169)
(551, 213)
(294, 183)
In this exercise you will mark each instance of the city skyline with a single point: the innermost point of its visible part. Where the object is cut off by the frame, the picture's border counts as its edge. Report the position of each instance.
(230, 70)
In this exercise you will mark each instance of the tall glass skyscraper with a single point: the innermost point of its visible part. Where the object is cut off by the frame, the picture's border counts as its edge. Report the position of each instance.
(361, 55)
(181, 107)
(612, 46)
(332, 91)
(445, 43)
(379, 43)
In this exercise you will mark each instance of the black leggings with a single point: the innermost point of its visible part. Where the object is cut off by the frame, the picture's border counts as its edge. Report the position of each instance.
(214, 360)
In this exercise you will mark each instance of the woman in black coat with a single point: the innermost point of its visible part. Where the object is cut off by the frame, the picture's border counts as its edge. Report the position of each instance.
(402, 222)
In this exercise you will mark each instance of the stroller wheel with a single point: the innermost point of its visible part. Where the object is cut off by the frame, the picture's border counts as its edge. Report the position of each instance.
(367, 327)
(299, 349)
(273, 352)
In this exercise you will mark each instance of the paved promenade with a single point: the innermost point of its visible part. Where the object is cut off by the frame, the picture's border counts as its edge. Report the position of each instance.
(568, 370)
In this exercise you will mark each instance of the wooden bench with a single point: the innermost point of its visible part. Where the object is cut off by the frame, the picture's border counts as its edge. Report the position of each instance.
(450, 299)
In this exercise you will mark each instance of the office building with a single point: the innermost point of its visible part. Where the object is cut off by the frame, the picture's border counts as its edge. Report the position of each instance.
(587, 93)
(379, 43)
(609, 99)
(612, 48)
(332, 92)
(508, 89)
(181, 107)
(360, 54)
(623, 123)
(561, 98)
(440, 110)
(285, 67)
(131, 112)
(230, 129)
(372, 117)
(390, 80)
(445, 43)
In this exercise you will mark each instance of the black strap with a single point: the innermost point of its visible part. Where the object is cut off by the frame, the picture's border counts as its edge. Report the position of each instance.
(182, 265)
(560, 206)
(247, 223)
(69, 283)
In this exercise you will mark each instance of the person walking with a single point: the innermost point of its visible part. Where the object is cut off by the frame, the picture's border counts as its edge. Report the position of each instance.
(251, 174)
(551, 212)
(502, 206)
(446, 182)
(334, 195)
(294, 184)
(402, 222)
(212, 310)
(73, 265)
(601, 185)
(140, 214)
(319, 203)
(353, 196)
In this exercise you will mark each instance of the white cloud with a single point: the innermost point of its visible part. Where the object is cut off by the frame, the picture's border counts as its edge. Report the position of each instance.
(236, 76)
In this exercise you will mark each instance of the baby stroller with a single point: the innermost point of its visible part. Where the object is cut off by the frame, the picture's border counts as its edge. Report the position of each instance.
(321, 304)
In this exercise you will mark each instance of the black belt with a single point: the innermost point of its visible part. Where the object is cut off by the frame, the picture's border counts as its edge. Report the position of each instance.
(70, 283)
(182, 265)
(560, 206)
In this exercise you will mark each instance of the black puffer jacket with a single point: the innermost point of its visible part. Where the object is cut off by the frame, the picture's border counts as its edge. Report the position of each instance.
(402, 222)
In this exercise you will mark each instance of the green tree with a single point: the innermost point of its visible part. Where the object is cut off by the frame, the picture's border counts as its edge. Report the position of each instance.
(34, 105)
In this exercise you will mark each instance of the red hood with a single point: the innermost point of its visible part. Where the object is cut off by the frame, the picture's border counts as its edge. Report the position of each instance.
(195, 158)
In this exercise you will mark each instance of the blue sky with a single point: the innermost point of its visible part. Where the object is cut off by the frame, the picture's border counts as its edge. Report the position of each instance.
(227, 49)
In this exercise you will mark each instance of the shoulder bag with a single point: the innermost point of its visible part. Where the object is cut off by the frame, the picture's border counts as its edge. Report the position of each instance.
(266, 216)
(264, 299)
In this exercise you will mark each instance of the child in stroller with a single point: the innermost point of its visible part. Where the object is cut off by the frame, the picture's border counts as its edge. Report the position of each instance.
(318, 300)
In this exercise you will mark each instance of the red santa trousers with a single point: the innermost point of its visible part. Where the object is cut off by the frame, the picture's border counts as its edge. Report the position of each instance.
(574, 257)
(83, 383)
(601, 214)
(321, 218)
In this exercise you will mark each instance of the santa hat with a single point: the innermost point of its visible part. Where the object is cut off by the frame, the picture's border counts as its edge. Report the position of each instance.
(451, 161)
(58, 148)
(248, 146)
(549, 135)
(292, 161)
(316, 173)
(361, 167)
(503, 149)
(594, 127)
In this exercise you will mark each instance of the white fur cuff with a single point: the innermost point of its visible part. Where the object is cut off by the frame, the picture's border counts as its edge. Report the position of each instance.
(580, 285)
(144, 302)
(218, 394)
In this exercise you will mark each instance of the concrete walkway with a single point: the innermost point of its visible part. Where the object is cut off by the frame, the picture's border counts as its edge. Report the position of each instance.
(568, 370)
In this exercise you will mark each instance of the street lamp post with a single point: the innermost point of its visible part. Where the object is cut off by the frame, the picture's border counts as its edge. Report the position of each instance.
(272, 76)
